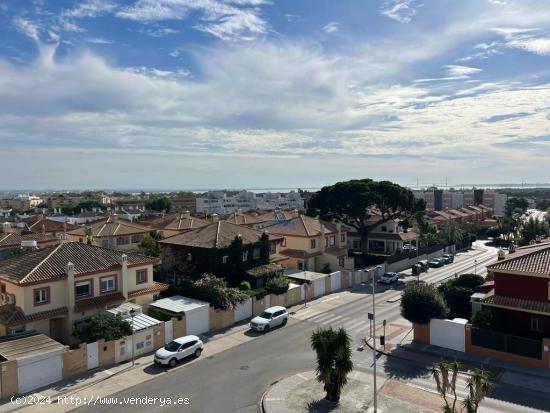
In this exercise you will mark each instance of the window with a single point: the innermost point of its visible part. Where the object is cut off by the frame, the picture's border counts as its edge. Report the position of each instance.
(136, 239)
(83, 289)
(356, 244)
(107, 284)
(302, 266)
(41, 296)
(332, 240)
(536, 324)
(141, 276)
(245, 256)
(17, 329)
(326, 241)
(121, 241)
(384, 228)
(224, 259)
(140, 345)
(312, 243)
(272, 247)
(189, 257)
(256, 254)
(105, 243)
(343, 237)
(341, 261)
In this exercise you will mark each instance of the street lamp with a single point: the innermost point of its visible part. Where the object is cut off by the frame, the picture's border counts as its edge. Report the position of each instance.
(475, 266)
(133, 314)
(375, 273)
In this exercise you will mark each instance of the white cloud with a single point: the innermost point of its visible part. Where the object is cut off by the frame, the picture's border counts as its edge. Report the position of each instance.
(27, 27)
(540, 46)
(232, 20)
(97, 40)
(90, 8)
(399, 10)
(331, 27)
(460, 71)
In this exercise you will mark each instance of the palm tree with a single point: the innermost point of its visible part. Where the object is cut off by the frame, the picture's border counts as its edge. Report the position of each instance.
(445, 374)
(478, 385)
(333, 348)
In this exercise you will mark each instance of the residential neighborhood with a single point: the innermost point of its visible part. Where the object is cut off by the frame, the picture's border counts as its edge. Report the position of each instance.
(257, 206)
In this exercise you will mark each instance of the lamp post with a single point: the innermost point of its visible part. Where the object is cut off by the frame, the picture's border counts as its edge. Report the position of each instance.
(133, 314)
(475, 266)
(375, 273)
(417, 269)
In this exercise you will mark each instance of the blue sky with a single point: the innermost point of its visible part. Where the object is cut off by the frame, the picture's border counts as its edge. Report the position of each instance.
(256, 93)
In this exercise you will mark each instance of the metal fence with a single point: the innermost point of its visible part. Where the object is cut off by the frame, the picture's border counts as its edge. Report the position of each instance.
(507, 343)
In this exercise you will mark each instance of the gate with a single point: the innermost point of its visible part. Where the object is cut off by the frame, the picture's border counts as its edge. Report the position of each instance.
(93, 359)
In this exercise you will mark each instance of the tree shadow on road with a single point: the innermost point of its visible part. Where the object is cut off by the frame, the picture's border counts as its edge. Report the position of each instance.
(397, 367)
(321, 406)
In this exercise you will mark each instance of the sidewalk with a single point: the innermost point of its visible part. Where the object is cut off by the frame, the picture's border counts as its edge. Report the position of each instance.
(302, 392)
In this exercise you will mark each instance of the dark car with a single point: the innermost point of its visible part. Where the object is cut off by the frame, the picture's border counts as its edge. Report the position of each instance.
(436, 263)
(424, 265)
(450, 257)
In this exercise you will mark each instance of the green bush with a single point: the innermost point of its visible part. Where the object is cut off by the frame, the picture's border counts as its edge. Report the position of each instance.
(259, 293)
(245, 286)
(422, 302)
(277, 285)
(457, 293)
(483, 319)
(159, 313)
(102, 326)
(214, 290)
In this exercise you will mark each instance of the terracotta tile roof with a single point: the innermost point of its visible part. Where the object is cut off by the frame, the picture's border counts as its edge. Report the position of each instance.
(216, 235)
(533, 259)
(50, 263)
(276, 216)
(155, 288)
(13, 315)
(14, 240)
(303, 226)
(98, 301)
(242, 219)
(35, 225)
(458, 212)
(182, 223)
(529, 306)
(111, 228)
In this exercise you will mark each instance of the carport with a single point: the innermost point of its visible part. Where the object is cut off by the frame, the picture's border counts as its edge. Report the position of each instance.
(197, 313)
(39, 360)
(317, 279)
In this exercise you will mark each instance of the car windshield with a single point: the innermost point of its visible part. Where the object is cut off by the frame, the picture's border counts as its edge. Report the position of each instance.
(172, 346)
(265, 315)
(388, 275)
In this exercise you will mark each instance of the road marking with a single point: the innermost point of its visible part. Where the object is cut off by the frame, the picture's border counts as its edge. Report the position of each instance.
(302, 376)
(353, 326)
(324, 318)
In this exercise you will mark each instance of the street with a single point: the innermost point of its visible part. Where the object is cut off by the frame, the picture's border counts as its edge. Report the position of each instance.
(234, 381)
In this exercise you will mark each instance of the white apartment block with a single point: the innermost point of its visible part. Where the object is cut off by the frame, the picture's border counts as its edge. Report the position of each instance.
(441, 200)
(221, 203)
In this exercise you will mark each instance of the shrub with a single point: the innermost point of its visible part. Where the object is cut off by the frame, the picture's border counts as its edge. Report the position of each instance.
(326, 269)
(215, 291)
(277, 285)
(245, 286)
(469, 281)
(259, 293)
(422, 302)
(102, 326)
(159, 313)
(457, 293)
(483, 319)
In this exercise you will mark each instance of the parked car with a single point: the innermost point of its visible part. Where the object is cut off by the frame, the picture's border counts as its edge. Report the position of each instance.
(424, 264)
(436, 263)
(388, 278)
(416, 269)
(179, 349)
(450, 257)
(269, 318)
(444, 259)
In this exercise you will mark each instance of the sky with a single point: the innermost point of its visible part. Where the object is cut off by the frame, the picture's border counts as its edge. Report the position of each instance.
(188, 94)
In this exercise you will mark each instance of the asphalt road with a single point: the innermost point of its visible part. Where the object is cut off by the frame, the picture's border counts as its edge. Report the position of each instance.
(234, 380)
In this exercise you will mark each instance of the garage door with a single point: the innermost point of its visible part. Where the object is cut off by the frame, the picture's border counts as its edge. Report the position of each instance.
(319, 287)
(197, 321)
(335, 281)
(38, 371)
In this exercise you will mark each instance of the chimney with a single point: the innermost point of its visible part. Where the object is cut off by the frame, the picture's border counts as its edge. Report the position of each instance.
(124, 275)
(501, 254)
(65, 225)
(6, 227)
(69, 270)
(187, 214)
(81, 210)
(295, 213)
(43, 227)
(115, 218)
(215, 217)
(239, 211)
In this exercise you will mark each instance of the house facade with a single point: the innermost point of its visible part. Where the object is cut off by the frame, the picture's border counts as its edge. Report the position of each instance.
(52, 289)
(311, 244)
(114, 233)
(521, 294)
(221, 248)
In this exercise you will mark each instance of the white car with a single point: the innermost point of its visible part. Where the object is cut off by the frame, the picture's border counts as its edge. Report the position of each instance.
(179, 349)
(388, 278)
(269, 318)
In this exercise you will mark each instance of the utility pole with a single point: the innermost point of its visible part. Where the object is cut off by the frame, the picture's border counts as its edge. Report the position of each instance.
(375, 273)
(475, 267)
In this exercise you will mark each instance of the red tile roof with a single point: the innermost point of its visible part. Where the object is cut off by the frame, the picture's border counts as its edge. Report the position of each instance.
(528, 306)
(13, 315)
(533, 259)
(155, 288)
(98, 301)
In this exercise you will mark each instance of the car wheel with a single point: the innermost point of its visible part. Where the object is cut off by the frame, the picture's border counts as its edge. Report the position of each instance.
(266, 329)
(284, 322)
(172, 362)
(198, 352)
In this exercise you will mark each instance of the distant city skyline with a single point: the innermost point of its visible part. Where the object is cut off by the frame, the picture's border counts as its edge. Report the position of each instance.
(257, 93)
